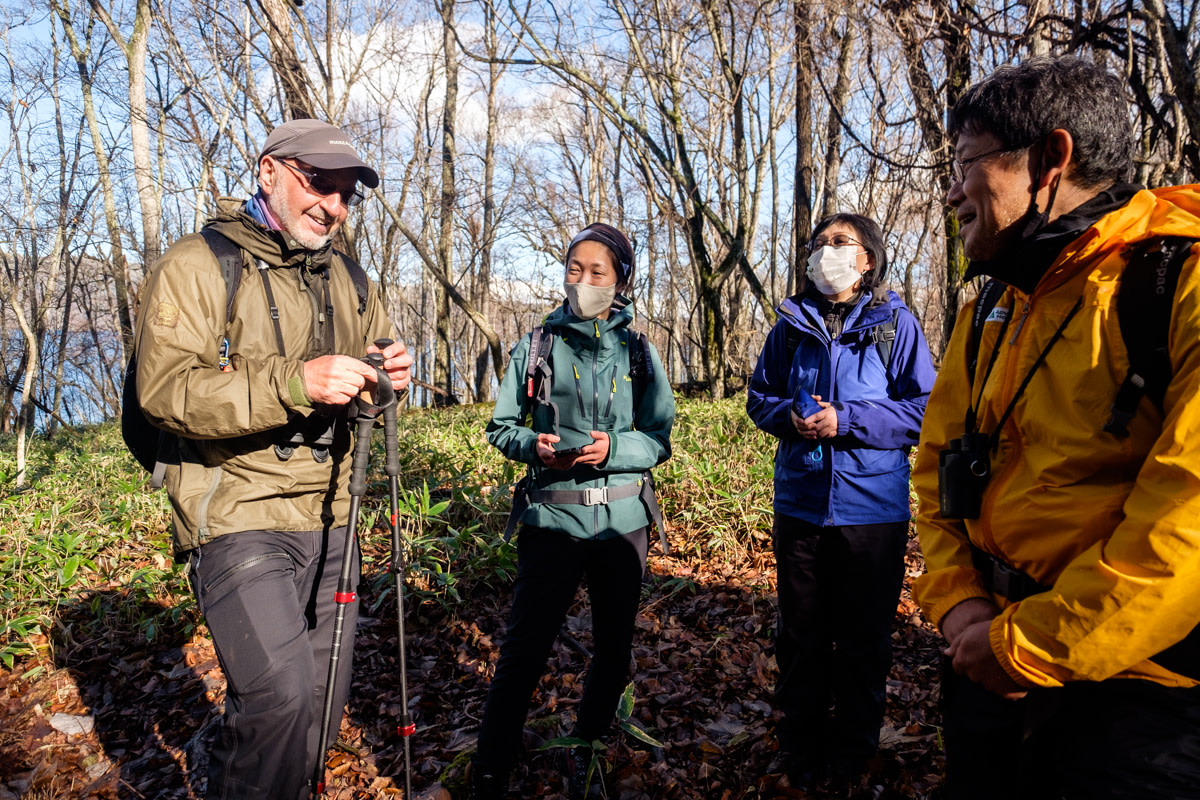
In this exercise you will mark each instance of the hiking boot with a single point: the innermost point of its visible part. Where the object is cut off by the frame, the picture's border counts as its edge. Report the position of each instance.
(802, 774)
(486, 786)
(578, 761)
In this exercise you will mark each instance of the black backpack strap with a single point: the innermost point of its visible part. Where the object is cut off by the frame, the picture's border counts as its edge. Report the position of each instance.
(359, 276)
(229, 258)
(539, 374)
(1145, 301)
(791, 335)
(988, 297)
(883, 335)
(641, 366)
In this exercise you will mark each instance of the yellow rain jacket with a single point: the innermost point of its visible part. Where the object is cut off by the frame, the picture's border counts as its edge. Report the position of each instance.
(1111, 524)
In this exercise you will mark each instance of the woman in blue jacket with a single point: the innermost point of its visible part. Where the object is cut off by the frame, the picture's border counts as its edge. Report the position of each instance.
(842, 382)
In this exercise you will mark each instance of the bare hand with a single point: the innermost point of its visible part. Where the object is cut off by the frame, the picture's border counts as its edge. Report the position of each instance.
(822, 425)
(397, 363)
(546, 452)
(966, 613)
(595, 453)
(334, 380)
(971, 656)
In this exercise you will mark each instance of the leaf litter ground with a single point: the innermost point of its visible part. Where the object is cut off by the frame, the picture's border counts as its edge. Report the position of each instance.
(131, 719)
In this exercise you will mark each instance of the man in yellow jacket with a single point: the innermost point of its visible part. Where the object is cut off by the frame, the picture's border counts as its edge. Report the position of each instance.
(1063, 559)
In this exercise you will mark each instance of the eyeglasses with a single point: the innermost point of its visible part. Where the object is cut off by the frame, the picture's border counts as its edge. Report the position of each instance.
(840, 240)
(325, 185)
(959, 166)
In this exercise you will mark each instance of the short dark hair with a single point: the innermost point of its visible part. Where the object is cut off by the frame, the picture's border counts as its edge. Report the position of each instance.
(870, 236)
(1021, 104)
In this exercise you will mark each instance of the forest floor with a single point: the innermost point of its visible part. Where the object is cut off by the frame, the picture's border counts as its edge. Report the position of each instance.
(128, 719)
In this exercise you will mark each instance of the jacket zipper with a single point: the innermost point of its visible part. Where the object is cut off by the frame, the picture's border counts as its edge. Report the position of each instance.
(608, 408)
(236, 568)
(595, 415)
(579, 391)
(1000, 479)
(821, 444)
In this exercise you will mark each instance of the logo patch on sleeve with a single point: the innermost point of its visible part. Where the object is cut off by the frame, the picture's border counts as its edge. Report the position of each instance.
(166, 315)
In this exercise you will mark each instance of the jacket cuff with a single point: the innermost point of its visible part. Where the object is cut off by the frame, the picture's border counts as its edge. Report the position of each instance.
(297, 392)
(935, 612)
(843, 417)
(1000, 649)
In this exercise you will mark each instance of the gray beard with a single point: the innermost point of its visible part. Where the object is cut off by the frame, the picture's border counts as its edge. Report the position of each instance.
(291, 224)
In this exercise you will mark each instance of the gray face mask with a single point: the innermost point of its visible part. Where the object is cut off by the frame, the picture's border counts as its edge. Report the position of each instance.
(587, 301)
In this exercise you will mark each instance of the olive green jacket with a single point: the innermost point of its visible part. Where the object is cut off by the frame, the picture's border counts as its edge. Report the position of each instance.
(593, 390)
(225, 475)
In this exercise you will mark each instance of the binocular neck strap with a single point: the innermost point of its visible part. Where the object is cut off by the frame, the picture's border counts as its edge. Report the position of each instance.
(972, 418)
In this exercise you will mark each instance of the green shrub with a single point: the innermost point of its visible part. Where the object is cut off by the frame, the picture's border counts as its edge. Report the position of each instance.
(89, 543)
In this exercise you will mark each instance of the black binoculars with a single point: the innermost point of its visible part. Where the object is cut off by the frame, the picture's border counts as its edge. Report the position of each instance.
(963, 471)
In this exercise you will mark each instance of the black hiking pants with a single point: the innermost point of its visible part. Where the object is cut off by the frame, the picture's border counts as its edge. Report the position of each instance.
(268, 600)
(550, 566)
(1118, 739)
(838, 589)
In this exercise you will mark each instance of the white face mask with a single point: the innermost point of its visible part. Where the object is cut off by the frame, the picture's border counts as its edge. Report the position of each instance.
(833, 270)
(587, 301)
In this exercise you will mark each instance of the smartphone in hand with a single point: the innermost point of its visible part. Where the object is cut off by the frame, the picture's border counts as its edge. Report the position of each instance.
(570, 451)
(803, 404)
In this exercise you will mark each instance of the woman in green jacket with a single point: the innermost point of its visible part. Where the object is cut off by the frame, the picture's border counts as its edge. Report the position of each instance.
(601, 414)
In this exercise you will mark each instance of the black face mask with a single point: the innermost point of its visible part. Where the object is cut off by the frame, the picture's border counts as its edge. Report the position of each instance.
(1039, 241)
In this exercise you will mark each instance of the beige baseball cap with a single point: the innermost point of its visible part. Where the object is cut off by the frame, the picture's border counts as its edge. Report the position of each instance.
(318, 144)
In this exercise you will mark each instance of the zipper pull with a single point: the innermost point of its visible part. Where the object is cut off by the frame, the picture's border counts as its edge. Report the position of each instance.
(597, 324)
(1020, 324)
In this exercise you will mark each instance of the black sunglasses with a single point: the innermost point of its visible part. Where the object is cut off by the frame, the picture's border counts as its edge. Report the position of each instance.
(325, 185)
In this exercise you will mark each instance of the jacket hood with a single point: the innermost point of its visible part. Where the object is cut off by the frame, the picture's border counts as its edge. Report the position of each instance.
(1149, 214)
(272, 247)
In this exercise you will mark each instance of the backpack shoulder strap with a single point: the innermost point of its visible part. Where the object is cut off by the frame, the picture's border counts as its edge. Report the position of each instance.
(791, 336)
(883, 335)
(229, 257)
(1145, 302)
(359, 276)
(641, 366)
(988, 297)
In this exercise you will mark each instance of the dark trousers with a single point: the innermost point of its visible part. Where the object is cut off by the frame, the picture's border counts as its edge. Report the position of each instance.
(838, 589)
(268, 600)
(1111, 740)
(550, 565)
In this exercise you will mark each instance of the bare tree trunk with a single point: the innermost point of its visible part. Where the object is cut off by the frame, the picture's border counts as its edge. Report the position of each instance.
(285, 63)
(134, 49)
(488, 236)
(931, 107)
(81, 54)
(833, 127)
(1182, 71)
(443, 367)
(802, 199)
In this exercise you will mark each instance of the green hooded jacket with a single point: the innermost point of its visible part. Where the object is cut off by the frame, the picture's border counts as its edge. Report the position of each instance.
(225, 476)
(594, 392)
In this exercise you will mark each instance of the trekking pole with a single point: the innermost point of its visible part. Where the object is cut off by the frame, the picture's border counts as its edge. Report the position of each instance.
(365, 416)
(405, 727)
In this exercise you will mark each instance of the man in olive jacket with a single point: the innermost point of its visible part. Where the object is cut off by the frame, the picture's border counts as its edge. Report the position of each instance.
(258, 465)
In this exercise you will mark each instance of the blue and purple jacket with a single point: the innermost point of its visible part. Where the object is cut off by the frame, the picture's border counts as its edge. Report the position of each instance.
(860, 476)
